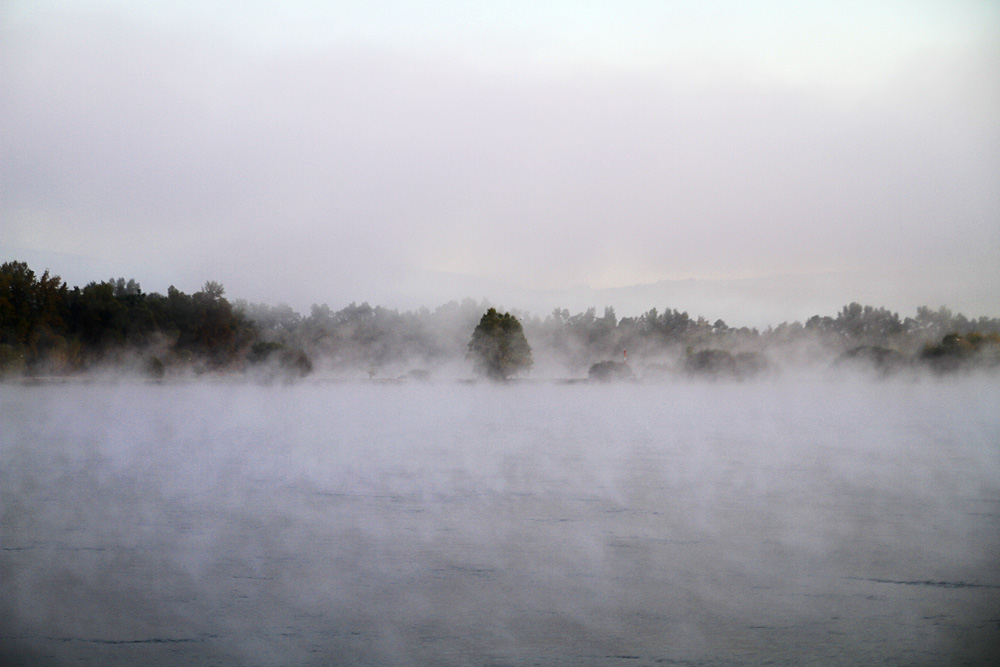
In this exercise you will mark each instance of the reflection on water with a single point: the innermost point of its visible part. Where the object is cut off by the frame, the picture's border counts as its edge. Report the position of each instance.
(473, 525)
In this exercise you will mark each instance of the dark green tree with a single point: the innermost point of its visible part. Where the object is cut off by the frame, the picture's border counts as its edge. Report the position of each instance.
(32, 315)
(498, 348)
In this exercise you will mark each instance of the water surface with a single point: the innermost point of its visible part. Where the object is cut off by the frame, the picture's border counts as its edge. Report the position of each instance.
(796, 522)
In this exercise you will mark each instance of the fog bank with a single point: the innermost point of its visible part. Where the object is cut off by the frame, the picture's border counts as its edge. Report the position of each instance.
(833, 523)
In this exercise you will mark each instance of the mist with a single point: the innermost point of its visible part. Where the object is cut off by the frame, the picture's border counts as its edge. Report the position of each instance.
(50, 331)
(808, 522)
(406, 172)
(742, 259)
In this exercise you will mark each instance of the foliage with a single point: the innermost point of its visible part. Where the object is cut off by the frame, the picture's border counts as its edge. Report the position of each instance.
(44, 327)
(880, 359)
(609, 371)
(710, 362)
(32, 311)
(720, 363)
(498, 348)
(47, 328)
(276, 359)
(957, 351)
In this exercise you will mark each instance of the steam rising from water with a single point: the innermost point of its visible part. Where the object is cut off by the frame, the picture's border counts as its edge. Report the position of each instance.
(833, 522)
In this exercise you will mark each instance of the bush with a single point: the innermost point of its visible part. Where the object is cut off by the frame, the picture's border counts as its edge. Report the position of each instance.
(609, 371)
(710, 362)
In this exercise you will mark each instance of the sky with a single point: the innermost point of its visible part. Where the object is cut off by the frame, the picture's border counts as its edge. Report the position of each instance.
(777, 159)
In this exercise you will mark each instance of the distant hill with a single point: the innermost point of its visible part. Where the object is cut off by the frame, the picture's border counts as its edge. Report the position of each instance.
(754, 302)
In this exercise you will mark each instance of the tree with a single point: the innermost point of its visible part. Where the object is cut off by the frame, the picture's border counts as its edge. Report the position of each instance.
(32, 312)
(498, 348)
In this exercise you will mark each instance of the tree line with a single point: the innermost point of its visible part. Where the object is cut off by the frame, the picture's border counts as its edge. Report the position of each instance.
(46, 328)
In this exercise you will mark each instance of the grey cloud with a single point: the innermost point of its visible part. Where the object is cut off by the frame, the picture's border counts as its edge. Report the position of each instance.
(347, 168)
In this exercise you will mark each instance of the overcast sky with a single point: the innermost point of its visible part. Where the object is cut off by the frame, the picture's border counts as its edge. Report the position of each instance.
(412, 152)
